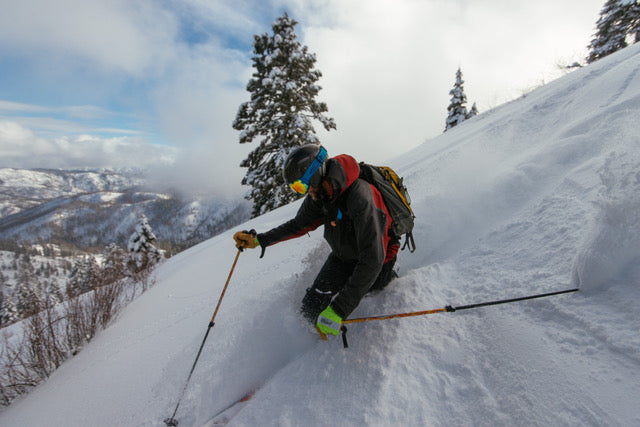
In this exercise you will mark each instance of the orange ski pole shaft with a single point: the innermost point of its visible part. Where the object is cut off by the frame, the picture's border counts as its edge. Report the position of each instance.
(395, 316)
(235, 261)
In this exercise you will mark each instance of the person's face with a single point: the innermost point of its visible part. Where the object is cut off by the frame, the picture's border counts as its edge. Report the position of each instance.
(315, 192)
(322, 192)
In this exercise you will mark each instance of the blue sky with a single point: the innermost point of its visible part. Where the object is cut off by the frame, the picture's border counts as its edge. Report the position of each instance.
(109, 83)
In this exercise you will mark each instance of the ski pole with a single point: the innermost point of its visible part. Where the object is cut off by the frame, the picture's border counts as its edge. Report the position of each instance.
(171, 421)
(450, 308)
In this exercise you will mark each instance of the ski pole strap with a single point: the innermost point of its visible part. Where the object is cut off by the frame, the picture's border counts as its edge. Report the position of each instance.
(410, 243)
(343, 329)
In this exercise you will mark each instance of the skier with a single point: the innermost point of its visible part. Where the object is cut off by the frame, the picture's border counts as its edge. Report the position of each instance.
(357, 227)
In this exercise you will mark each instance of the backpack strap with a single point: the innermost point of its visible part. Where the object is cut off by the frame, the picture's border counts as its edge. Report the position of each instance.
(409, 243)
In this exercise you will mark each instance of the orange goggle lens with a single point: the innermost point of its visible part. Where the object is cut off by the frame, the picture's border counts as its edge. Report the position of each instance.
(299, 187)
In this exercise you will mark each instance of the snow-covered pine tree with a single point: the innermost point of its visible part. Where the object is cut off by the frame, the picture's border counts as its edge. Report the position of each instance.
(457, 109)
(114, 265)
(29, 298)
(615, 22)
(283, 90)
(83, 276)
(28, 301)
(54, 293)
(9, 311)
(473, 111)
(75, 282)
(633, 18)
(142, 253)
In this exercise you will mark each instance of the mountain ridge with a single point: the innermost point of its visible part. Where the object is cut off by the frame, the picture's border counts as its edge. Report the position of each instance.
(47, 204)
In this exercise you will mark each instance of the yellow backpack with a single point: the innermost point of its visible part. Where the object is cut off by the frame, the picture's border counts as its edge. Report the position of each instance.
(396, 198)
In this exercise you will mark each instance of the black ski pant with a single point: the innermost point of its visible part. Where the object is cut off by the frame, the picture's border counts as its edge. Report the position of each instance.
(331, 280)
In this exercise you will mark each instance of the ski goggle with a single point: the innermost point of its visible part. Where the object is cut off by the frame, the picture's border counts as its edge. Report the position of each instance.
(301, 186)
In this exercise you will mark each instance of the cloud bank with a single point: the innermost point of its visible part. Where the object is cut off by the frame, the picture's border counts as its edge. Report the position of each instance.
(20, 146)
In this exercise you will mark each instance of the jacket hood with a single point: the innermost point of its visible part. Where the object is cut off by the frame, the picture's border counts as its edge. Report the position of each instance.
(343, 170)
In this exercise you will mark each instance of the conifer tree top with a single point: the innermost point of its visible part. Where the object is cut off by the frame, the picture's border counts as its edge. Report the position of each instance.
(278, 116)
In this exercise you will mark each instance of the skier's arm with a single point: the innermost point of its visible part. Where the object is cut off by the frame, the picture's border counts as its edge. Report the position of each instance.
(308, 218)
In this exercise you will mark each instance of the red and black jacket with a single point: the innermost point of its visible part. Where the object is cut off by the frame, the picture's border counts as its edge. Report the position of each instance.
(357, 227)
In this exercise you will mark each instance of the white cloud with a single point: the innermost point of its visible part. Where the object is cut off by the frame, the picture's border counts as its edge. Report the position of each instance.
(196, 107)
(7, 106)
(21, 147)
(117, 34)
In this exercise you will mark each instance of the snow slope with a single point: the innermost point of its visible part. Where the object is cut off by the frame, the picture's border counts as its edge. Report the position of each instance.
(538, 195)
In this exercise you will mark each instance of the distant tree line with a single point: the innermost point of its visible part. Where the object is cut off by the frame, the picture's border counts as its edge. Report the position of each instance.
(56, 323)
(35, 288)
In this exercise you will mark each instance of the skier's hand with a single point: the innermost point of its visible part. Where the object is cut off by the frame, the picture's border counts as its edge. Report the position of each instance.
(246, 239)
(329, 322)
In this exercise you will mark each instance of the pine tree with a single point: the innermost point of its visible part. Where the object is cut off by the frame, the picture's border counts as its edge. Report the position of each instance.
(142, 253)
(29, 299)
(283, 90)
(83, 276)
(618, 18)
(28, 302)
(9, 311)
(91, 272)
(473, 111)
(457, 109)
(74, 284)
(54, 293)
(633, 18)
(3, 302)
(114, 265)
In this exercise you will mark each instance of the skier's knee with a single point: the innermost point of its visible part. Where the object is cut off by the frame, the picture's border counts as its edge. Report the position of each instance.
(314, 302)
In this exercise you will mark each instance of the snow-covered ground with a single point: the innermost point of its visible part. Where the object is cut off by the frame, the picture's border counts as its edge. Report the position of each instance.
(538, 195)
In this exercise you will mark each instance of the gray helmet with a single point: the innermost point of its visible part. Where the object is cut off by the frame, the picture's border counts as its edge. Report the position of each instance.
(299, 160)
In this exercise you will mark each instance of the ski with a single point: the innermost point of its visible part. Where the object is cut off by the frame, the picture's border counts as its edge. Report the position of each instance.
(226, 414)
